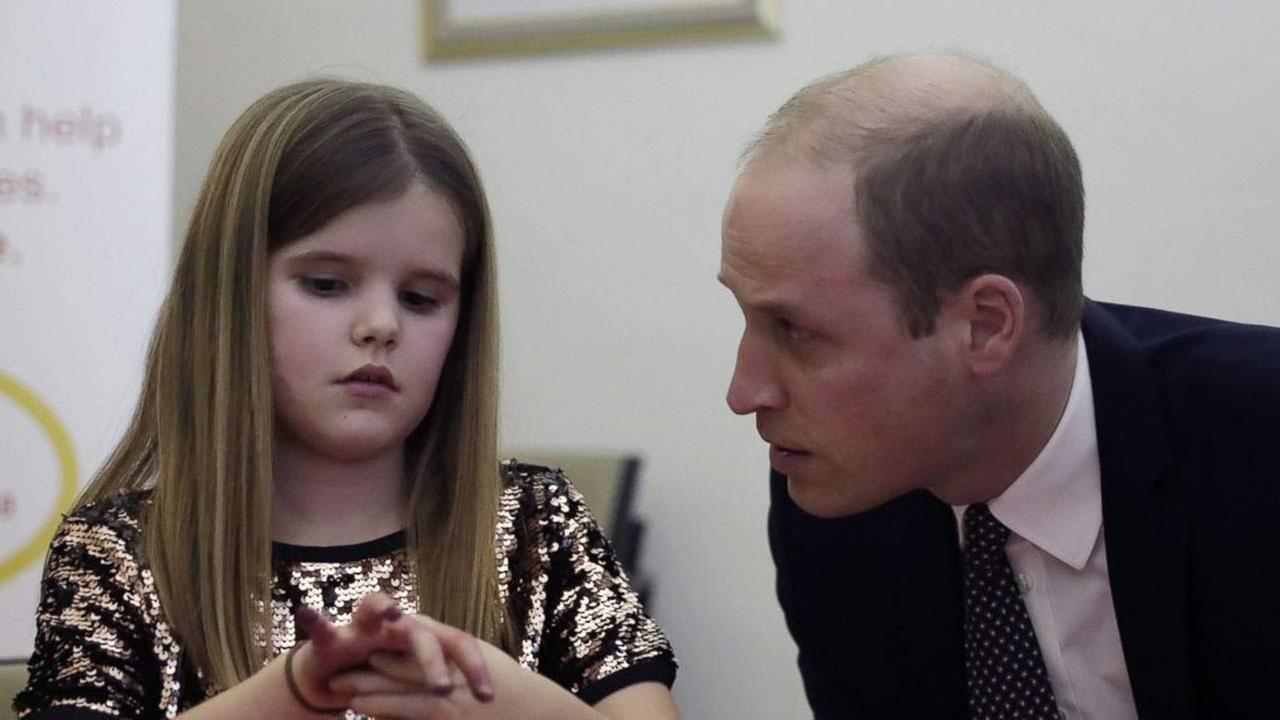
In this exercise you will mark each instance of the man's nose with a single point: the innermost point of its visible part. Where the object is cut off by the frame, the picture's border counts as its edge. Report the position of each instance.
(754, 386)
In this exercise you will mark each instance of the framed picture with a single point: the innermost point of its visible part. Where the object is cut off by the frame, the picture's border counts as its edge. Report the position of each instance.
(471, 28)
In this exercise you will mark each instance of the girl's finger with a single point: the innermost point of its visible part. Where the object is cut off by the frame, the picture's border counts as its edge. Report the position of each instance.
(320, 631)
(366, 682)
(430, 657)
(409, 706)
(373, 610)
(463, 650)
(397, 665)
(403, 667)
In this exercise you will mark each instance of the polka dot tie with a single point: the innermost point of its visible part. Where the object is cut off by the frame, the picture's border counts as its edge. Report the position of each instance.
(1005, 672)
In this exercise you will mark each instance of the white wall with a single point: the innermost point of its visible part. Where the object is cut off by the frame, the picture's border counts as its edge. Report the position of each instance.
(86, 121)
(607, 172)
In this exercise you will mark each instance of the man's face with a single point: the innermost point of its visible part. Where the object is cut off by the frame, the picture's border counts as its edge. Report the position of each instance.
(855, 410)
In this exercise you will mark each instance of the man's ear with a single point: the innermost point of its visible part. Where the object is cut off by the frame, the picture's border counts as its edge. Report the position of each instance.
(993, 311)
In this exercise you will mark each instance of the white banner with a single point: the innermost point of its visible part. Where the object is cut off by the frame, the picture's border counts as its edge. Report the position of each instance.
(86, 156)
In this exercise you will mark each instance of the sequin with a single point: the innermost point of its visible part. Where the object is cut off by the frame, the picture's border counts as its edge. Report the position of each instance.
(103, 643)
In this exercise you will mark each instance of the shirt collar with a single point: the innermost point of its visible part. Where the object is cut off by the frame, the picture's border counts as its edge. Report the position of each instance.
(1056, 503)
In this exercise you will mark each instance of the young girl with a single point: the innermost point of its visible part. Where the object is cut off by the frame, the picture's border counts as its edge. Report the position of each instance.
(314, 456)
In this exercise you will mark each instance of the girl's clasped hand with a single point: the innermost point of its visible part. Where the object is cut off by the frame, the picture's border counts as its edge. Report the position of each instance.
(390, 664)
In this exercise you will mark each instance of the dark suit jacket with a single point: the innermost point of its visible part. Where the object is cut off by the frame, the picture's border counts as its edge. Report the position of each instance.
(1188, 421)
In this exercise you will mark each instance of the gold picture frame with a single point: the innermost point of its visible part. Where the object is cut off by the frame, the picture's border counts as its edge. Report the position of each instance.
(479, 28)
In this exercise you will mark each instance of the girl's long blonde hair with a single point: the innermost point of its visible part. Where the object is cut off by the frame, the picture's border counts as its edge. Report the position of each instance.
(201, 434)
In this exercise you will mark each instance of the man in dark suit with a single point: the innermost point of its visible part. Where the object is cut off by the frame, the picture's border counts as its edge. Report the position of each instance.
(992, 498)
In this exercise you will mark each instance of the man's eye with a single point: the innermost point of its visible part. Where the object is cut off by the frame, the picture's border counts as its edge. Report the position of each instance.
(792, 332)
(418, 302)
(323, 286)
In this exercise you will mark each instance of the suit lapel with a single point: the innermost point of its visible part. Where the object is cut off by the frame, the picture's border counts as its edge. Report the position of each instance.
(1144, 522)
(873, 601)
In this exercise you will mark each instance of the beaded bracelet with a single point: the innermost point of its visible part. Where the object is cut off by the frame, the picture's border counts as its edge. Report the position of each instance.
(293, 686)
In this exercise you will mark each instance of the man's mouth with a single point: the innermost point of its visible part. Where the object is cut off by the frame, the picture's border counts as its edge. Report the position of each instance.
(782, 447)
(788, 460)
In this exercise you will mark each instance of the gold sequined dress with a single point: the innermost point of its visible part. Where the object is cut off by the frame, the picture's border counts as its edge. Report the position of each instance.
(104, 649)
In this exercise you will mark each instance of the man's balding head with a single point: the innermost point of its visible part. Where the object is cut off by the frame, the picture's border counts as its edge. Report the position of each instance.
(958, 170)
(899, 94)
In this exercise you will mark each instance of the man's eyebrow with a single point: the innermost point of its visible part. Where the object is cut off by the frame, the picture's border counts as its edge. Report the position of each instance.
(771, 306)
(776, 307)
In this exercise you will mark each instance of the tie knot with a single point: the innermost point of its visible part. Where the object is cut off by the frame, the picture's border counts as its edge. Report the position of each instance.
(984, 535)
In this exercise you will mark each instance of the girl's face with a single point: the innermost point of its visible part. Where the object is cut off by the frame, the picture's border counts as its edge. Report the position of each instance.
(362, 314)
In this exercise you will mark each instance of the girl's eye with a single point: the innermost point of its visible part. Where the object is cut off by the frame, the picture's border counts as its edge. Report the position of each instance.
(323, 286)
(418, 302)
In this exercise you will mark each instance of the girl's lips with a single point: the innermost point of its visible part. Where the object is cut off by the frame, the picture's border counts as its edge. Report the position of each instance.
(374, 375)
(364, 389)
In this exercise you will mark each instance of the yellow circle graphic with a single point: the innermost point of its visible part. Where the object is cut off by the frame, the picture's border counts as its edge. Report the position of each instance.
(61, 441)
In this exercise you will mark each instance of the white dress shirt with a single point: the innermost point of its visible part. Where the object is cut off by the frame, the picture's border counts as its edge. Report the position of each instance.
(1059, 557)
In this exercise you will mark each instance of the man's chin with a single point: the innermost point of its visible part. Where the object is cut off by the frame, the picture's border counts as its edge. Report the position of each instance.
(828, 497)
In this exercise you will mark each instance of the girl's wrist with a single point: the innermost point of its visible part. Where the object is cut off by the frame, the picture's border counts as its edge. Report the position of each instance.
(297, 662)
